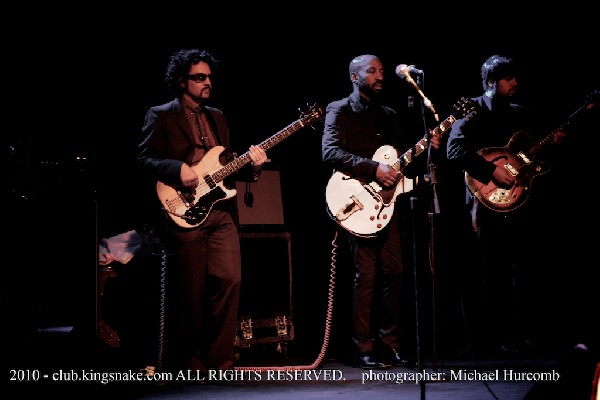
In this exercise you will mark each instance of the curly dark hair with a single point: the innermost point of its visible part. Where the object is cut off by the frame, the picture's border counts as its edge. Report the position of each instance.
(497, 67)
(180, 63)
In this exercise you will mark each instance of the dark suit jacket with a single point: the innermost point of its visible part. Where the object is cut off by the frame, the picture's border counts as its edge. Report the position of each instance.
(168, 142)
(353, 133)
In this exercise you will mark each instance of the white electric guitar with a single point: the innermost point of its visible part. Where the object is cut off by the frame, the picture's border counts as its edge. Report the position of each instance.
(365, 208)
(190, 207)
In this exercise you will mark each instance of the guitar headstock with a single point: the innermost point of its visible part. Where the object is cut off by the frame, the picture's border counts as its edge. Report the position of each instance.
(465, 108)
(592, 98)
(312, 115)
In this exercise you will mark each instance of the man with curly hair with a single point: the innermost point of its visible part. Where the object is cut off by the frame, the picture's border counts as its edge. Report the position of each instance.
(178, 137)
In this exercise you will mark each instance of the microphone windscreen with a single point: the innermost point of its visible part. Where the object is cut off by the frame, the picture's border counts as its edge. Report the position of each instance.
(402, 70)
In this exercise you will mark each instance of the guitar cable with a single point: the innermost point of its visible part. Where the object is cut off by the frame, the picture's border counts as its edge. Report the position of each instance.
(248, 196)
(327, 331)
(162, 302)
(313, 365)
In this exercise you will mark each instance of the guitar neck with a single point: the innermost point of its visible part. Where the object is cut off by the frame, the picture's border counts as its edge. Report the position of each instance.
(267, 144)
(537, 147)
(422, 144)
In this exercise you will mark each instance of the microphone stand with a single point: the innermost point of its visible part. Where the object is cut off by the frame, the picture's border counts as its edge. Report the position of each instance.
(420, 363)
(432, 180)
(434, 209)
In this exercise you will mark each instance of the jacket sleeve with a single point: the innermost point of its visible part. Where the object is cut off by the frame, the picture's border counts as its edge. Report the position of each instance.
(334, 142)
(152, 151)
(463, 154)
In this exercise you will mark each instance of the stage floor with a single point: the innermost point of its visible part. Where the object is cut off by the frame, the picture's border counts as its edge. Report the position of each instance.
(55, 366)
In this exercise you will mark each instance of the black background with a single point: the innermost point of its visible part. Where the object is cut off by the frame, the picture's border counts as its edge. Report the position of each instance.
(79, 87)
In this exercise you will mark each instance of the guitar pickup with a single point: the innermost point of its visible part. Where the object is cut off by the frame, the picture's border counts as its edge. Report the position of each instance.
(523, 157)
(511, 169)
(188, 196)
(374, 189)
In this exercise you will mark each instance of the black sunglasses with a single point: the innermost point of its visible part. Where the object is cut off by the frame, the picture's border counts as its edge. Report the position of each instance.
(199, 77)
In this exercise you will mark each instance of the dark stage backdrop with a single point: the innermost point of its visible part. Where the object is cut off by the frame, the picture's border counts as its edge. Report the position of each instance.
(79, 91)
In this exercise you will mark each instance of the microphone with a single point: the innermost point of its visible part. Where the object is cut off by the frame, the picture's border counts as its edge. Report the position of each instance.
(403, 71)
(411, 69)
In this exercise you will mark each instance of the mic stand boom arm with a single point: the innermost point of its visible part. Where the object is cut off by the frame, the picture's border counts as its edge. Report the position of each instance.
(403, 71)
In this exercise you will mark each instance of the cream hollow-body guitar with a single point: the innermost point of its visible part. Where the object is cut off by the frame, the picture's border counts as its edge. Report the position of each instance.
(189, 207)
(365, 208)
(519, 158)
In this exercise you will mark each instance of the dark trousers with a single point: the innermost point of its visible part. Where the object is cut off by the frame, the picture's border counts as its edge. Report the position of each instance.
(208, 292)
(504, 241)
(377, 287)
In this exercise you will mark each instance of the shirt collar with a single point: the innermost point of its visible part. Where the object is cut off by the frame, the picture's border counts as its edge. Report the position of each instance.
(190, 106)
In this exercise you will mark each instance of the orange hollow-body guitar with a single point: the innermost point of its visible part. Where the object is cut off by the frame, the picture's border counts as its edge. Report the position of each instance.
(519, 158)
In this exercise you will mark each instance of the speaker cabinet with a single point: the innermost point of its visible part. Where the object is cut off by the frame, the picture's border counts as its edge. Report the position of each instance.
(260, 203)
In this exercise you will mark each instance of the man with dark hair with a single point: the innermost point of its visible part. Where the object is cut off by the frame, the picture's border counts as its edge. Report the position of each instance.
(503, 256)
(178, 148)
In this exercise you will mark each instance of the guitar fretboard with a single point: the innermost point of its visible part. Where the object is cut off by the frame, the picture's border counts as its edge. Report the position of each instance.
(266, 144)
(422, 144)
